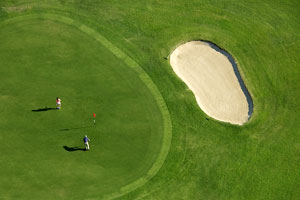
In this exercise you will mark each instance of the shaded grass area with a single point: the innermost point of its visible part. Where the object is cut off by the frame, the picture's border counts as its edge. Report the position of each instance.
(209, 159)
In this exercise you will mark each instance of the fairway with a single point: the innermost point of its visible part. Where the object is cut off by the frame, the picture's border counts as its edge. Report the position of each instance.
(152, 140)
(45, 59)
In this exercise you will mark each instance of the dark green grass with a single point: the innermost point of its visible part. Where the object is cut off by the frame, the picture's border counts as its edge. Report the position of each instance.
(42, 59)
(207, 159)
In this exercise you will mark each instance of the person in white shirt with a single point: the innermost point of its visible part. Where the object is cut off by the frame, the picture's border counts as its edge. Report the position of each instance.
(58, 103)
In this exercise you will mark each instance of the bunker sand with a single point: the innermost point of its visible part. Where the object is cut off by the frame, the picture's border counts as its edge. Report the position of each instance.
(211, 77)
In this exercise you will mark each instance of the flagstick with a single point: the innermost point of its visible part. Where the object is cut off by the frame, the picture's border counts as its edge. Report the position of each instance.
(94, 115)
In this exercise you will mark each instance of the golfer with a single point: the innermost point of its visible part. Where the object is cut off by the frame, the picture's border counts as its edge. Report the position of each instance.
(58, 103)
(86, 142)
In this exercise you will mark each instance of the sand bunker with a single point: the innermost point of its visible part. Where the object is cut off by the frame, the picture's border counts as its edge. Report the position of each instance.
(209, 72)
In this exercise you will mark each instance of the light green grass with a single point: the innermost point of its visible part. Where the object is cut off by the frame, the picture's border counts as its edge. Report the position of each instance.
(207, 159)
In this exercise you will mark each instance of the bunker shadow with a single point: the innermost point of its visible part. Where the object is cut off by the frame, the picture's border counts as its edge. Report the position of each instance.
(237, 74)
(43, 109)
(70, 149)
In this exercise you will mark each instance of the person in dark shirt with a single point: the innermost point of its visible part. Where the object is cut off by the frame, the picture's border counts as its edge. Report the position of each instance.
(86, 143)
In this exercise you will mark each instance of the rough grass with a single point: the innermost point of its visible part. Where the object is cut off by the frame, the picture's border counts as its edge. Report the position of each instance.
(209, 159)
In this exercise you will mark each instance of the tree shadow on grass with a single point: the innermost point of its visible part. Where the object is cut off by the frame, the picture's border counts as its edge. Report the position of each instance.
(70, 149)
(43, 109)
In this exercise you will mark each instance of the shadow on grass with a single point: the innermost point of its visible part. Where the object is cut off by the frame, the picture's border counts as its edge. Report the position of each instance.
(67, 129)
(73, 148)
(43, 109)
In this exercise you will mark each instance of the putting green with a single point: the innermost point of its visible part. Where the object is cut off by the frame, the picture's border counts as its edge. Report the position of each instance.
(48, 56)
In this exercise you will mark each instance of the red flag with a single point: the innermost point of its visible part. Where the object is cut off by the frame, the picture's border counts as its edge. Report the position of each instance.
(94, 115)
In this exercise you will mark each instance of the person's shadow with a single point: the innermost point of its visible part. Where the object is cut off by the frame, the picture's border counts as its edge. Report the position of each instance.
(73, 148)
(43, 109)
(67, 129)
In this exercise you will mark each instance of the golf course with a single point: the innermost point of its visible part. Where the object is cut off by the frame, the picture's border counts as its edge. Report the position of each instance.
(155, 134)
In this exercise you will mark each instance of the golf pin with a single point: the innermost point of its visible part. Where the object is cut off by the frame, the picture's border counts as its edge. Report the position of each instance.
(94, 115)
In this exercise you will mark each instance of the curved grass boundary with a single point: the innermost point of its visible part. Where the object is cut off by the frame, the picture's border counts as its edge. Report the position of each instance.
(167, 133)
